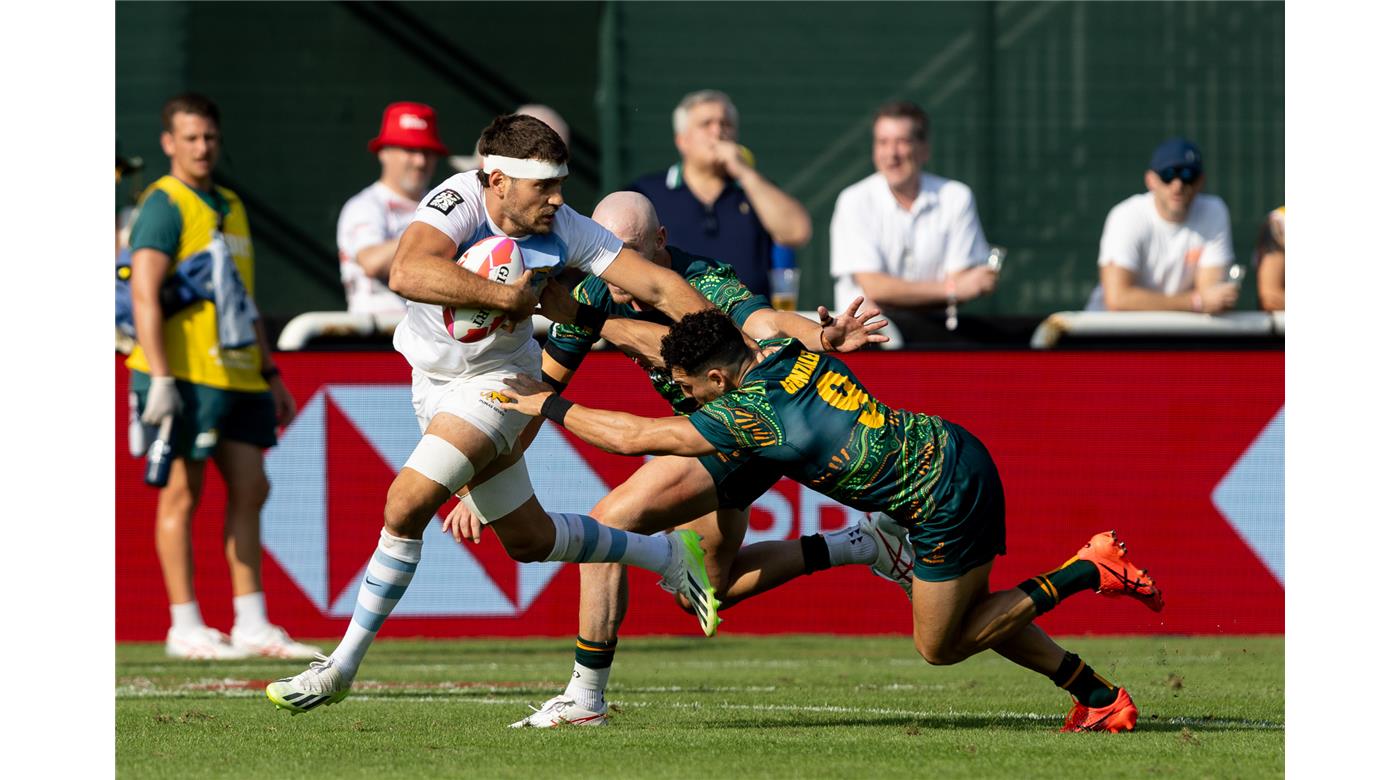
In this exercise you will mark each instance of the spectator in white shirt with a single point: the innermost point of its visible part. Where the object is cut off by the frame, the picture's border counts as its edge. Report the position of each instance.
(1167, 248)
(370, 223)
(904, 238)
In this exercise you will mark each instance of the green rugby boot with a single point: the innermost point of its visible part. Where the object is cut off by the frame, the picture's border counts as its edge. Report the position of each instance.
(321, 684)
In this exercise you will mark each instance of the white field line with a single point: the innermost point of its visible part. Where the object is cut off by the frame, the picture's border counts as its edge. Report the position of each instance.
(448, 694)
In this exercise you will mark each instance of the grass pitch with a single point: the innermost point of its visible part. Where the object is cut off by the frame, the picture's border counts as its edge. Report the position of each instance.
(793, 706)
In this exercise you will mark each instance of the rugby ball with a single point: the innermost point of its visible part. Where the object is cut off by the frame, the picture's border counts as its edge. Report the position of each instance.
(498, 259)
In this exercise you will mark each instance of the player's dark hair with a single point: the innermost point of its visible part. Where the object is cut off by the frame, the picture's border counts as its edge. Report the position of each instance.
(903, 109)
(701, 341)
(522, 137)
(188, 103)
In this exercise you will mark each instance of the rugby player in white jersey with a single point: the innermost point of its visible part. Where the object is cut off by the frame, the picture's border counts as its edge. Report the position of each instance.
(468, 435)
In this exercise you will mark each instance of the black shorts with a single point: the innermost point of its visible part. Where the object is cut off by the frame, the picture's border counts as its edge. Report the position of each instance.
(968, 526)
(740, 478)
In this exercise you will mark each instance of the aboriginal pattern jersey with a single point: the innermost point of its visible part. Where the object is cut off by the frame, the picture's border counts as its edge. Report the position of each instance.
(810, 416)
(569, 344)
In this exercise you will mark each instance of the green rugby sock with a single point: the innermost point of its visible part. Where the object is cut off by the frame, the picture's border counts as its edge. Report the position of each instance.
(1083, 684)
(593, 654)
(1047, 590)
(592, 666)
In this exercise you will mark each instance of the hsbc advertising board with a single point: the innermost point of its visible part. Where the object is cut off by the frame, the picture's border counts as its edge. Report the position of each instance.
(1182, 453)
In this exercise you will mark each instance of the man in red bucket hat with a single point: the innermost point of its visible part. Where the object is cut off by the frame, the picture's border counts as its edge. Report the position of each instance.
(370, 223)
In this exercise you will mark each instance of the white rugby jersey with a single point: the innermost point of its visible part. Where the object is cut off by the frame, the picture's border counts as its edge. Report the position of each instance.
(456, 207)
(1162, 255)
(376, 214)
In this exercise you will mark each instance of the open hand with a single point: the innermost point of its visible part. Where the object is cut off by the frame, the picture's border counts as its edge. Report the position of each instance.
(854, 328)
(462, 523)
(527, 394)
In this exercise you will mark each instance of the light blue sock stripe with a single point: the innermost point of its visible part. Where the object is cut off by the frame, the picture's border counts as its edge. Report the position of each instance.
(390, 561)
(590, 537)
(367, 620)
(618, 546)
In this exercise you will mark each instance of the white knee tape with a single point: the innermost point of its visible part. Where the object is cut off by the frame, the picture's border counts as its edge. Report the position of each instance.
(436, 459)
(502, 494)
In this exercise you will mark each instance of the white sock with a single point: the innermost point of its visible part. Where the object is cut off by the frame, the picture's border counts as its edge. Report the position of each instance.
(250, 610)
(849, 545)
(186, 616)
(386, 578)
(587, 685)
(581, 539)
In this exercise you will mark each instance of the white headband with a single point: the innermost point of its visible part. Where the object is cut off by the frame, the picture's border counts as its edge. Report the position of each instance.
(517, 168)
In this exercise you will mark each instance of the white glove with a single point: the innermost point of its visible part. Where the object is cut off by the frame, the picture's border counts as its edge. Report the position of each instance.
(162, 400)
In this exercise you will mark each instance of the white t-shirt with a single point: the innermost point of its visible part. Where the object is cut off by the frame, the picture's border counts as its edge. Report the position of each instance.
(1164, 256)
(939, 235)
(376, 214)
(456, 208)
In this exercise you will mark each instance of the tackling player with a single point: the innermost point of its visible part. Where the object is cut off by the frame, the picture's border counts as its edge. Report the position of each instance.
(467, 433)
(808, 416)
(708, 495)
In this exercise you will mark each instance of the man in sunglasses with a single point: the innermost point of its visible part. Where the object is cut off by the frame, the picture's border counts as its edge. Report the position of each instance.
(1167, 249)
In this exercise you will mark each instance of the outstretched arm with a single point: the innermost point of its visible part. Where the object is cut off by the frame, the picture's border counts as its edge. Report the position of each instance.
(661, 288)
(845, 333)
(618, 432)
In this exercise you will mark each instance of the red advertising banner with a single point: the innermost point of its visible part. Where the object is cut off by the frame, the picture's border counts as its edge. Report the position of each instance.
(1182, 453)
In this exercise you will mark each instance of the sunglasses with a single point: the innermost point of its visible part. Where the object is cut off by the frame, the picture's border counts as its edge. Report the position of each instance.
(1187, 175)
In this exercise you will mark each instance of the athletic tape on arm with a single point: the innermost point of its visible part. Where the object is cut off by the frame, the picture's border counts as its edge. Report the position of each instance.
(436, 459)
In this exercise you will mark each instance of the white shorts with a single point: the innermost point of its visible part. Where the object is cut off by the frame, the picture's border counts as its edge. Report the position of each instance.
(475, 398)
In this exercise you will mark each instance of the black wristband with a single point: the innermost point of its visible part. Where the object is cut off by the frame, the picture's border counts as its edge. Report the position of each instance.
(555, 407)
(590, 317)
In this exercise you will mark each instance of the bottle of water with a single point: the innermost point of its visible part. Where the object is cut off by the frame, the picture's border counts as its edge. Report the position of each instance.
(137, 436)
(158, 457)
(782, 279)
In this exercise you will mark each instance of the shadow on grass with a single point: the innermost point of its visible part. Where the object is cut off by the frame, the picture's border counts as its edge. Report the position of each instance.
(958, 722)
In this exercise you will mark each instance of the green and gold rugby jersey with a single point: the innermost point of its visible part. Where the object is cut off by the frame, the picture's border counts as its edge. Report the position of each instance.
(807, 414)
(570, 344)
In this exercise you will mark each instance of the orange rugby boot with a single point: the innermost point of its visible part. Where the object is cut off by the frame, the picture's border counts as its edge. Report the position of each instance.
(1121, 715)
(1117, 576)
(1076, 716)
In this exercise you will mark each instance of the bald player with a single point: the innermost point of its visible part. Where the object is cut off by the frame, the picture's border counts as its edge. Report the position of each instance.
(708, 495)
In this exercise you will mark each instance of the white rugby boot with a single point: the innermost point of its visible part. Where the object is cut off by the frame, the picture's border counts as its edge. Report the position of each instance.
(561, 711)
(321, 684)
(201, 644)
(894, 556)
(686, 575)
(272, 642)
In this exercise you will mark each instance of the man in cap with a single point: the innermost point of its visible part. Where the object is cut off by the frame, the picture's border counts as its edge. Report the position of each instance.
(1167, 248)
(371, 222)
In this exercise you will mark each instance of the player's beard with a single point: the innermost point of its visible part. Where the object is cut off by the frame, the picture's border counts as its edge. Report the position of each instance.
(529, 221)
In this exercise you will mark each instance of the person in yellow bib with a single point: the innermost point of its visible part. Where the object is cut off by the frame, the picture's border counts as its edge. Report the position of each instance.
(203, 373)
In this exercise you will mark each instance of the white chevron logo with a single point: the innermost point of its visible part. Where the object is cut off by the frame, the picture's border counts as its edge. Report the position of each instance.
(1250, 496)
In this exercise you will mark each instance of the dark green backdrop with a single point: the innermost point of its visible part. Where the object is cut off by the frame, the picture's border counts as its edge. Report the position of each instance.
(1048, 110)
